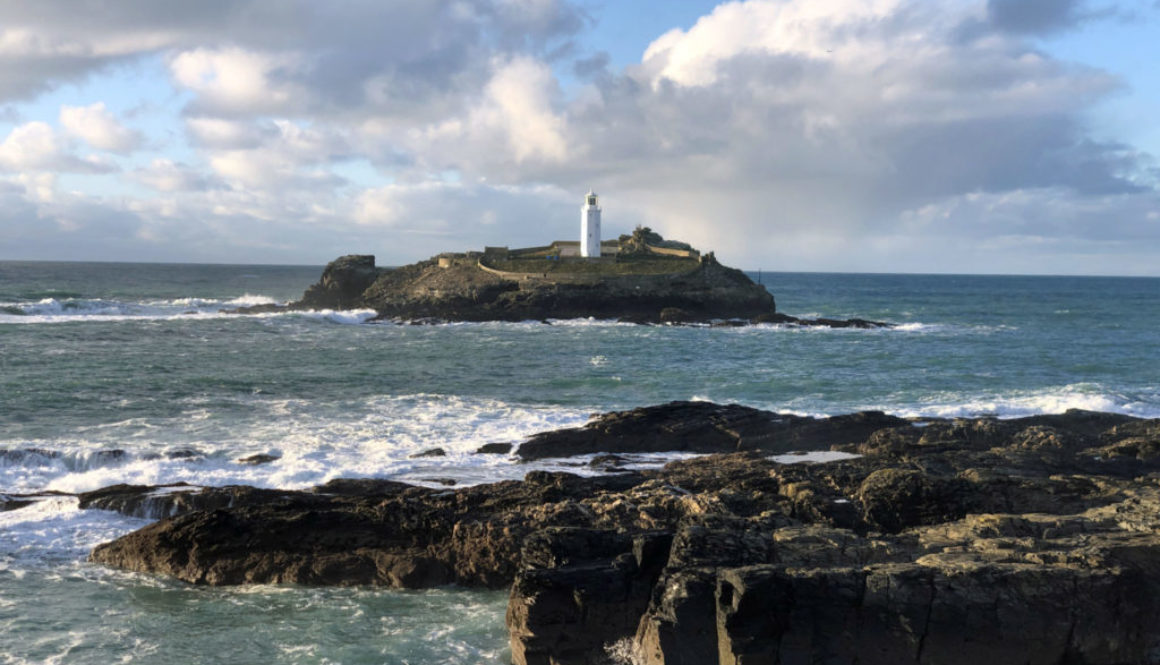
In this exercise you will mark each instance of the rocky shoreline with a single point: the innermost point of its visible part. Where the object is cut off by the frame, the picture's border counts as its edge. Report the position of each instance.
(1032, 540)
(446, 289)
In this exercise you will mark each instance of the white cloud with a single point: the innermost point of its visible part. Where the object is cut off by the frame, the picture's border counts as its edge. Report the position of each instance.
(30, 146)
(236, 80)
(859, 134)
(96, 125)
(36, 146)
(518, 103)
(287, 155)
(441, 216)
(165, 175)
(514, 121)
(222, 133)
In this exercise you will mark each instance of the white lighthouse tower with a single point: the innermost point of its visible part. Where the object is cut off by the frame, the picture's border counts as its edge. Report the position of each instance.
(590, 226)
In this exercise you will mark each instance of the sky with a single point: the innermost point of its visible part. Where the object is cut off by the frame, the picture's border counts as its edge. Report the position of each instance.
(945, 136)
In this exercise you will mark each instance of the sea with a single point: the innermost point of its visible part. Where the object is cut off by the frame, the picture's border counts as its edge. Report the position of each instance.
(135, 373)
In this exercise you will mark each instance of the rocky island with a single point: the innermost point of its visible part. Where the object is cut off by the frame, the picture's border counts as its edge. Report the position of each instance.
(639, 278)
(961, 541)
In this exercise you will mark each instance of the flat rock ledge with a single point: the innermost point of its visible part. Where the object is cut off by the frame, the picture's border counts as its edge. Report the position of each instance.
(949, 541)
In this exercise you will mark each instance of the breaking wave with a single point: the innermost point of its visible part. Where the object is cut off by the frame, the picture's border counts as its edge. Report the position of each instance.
(73, 310)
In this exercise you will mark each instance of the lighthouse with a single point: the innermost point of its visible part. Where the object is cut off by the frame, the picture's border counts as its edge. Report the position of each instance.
(590, 226)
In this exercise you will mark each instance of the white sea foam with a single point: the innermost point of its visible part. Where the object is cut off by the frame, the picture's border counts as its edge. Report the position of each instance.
(1011, 404)
(920, 327)
(52, 310)
(57, 528)
(1020, 403)
(314, 443)
(1145, 403)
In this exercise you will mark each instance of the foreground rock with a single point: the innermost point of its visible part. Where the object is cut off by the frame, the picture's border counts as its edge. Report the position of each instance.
(704, 427)
(965, 541)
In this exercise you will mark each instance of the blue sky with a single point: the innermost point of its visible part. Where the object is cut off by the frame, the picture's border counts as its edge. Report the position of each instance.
(994, 136)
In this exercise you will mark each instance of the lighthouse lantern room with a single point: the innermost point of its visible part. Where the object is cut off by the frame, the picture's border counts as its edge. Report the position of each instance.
(590, 226)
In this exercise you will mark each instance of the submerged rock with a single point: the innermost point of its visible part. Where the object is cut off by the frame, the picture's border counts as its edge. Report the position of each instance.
(494, 449)
(258, 458)
(430, 452)
(1034, 540)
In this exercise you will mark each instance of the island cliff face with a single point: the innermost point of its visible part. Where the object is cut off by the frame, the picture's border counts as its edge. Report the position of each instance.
(950, 542)
(457, 288)
(643, 279)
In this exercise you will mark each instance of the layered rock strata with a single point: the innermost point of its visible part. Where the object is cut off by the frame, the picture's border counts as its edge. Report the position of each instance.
(950, 541)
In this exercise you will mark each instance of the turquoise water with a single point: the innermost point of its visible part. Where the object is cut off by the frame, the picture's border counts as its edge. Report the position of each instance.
(140, 359)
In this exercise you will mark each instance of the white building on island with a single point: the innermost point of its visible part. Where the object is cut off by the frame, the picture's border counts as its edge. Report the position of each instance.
(590, 226)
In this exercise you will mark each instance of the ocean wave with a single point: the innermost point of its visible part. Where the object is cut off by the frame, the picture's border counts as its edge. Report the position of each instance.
(246, 300)
(74, 310)
(1140, 403)
(308, 442)
(55, 528)
(1022, 403)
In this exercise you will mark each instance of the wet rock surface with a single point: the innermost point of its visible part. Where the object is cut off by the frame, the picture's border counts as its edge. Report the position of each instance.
(705, 427)
(1032, 540)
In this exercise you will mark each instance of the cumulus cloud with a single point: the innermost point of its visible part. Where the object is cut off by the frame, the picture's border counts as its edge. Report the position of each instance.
(96, 125)
(817, 125)
(515, 121)
(289, 157)
(237, 81)
(36, 146)
(847, 134)
(165, 175)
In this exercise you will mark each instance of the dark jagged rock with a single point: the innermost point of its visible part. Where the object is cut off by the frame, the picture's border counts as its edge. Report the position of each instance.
(259, 458)
(110, 455)
(494, 449)
(785, 319)
(1035, 540)
(342, 284)
(15, 501)
(430, 452)
(158, 501)
(416, 537)
(704, 427)
(25, 455)
(362, 487)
